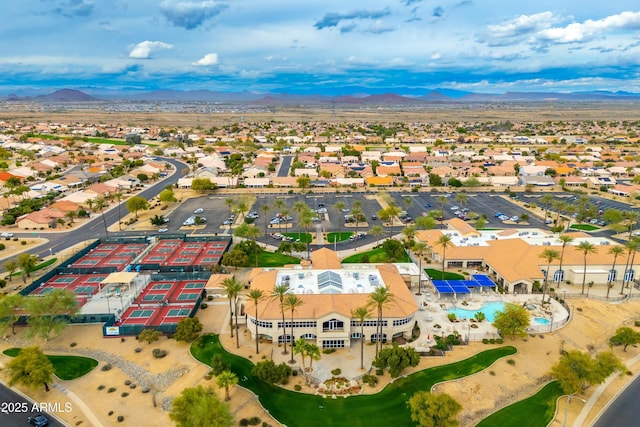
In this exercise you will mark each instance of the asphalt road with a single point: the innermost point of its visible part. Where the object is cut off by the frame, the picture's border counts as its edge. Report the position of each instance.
(285, 165)
(14, 409)
(623, 412)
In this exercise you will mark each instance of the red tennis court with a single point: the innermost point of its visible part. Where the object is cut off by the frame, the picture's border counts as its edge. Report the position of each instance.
(110, 255)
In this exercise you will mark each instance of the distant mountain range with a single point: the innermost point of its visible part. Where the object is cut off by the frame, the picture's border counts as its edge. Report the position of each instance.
(434, 96)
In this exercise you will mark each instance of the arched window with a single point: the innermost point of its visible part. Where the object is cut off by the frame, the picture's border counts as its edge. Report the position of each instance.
(558, 276)
(629, 275)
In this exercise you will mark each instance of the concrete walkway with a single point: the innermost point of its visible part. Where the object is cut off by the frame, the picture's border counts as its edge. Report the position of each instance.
(79, 403)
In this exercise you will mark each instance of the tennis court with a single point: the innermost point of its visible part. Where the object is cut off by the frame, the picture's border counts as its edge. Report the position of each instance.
(188, 296)
(85, 290)
(194, 285)
(151, 297)
(140, 313)
(65, 280)
(161, 286)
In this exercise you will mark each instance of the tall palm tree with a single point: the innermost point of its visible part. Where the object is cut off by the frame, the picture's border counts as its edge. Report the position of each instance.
(462, 198)
(229, 202)
(361, 314)
(586, 248)
(443, 200)
(615, 251)
(444, 242)
(356, 211)
(379, 298)
(279, 292)
(300, 347)
(409, 233)
(264, 209)
(253, 233)
(100, 203)
(377, 231)
(300, 207)
(633, 257)
(419, 249)
(631, 218)
(306, 221)
(549, 255)
(256, 295)
(118, 196)
(232, 289)
(314, 354)
(631, 247)
(339, 206)
(392, 211)
(565, 239)
(292, 302)
(546, 200)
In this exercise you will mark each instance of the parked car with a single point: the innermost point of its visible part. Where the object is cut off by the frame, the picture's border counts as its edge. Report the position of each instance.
(514, 218)
(199, 210)
(162, 230)
(38, 420)
(6, 235)
(374, 217)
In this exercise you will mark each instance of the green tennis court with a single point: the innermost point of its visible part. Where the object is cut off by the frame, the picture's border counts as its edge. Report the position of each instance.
(193, 285)
(141, 313)
(161, 286)
(95, 279)
(154, 297)
(65, 280)
(84, 290)
(188, 297)
(175, 312)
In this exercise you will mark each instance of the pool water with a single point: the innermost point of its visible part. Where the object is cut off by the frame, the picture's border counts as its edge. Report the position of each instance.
(490, 309)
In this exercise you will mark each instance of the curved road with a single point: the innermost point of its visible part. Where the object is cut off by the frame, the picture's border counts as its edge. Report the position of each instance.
(14, 409)
(623, 411)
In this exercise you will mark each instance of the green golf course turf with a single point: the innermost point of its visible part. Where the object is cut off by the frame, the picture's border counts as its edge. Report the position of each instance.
(535, 411)
(65, 367)
(383, 409)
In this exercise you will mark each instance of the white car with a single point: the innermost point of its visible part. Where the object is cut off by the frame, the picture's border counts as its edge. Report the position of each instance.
(514, 218)
(198, 211)
(162, 230)
(6, 235)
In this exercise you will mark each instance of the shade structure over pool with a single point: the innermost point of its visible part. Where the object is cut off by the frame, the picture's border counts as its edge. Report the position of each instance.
(463, 286)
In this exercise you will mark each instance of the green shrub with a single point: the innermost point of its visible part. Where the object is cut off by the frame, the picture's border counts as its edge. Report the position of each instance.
(499, 340)
(73, 344)
(100, 387)
(106, 367)
(23, 242)
(204, 305)
(329, 350)
(336, 372)
(111, 390)
(2, 247)
(254, 421)
(297, 387)
(511, 362)
(370, 380)
(485, 341)
(124, 394)
(120, 418)
(158, 353)
(492, 341)
(244, 422)
(637, 323)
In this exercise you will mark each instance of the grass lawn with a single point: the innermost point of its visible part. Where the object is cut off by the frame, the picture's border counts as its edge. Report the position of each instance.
(437, 274)
(375, 255)
(272, 259)
(535, 411)
(65, 367)
(304, 237)
(389, 405)
(585, 227)
(339, 237)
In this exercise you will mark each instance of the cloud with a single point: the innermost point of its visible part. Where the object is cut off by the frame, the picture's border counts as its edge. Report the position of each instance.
(333, 19)
(577, 32)
(514, 30)
(207, 60)
(71, 8)
(410, 2)
(438, 12)
(190, 15)
(145, 49)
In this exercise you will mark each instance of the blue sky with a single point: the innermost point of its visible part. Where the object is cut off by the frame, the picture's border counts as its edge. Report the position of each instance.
(326, 46)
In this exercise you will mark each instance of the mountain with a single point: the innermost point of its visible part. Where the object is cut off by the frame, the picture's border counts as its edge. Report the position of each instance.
(66, 95)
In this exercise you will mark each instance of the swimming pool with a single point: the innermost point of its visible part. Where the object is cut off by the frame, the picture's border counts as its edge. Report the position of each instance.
(490, 309)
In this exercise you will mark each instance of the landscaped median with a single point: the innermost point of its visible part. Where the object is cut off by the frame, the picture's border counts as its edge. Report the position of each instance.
(388, 407)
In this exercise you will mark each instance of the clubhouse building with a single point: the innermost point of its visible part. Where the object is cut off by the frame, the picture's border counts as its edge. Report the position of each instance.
(330, 292)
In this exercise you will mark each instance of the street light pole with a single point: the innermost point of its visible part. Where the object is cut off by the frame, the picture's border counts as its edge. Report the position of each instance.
(566, 409)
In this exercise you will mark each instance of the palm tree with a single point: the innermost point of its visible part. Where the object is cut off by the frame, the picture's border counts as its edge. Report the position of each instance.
(300, 347)
(633, 257)
(356, 211)
(549, 255)
(631, 246)
(264, 209)
(314, 354)
(300, 207)
(444, 242)
(631, 218)
(546, 200)
(229, 202)
(408, 201)
(361, 314)
(100, 203)
(253, 233)
(462, 198)
(232, 288)
(565, 239)
(586, 248)
(292, 302)
(380, 297)
(615, 251)
(279, 292)
(27, 263)
(409, 232)
(118, 196)
(419, 249)
(377, 231)
(443, 200)
(392, 212)
(339, 206)
(256, 295)
(70, 215)
(225, 380)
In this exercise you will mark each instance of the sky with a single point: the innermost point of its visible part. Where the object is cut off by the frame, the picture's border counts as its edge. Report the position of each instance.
(330, 47)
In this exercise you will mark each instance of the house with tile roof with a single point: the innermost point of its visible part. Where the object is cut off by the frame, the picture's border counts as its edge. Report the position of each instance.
(330, 292)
